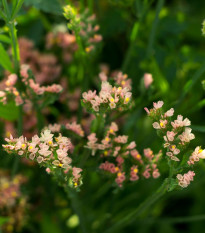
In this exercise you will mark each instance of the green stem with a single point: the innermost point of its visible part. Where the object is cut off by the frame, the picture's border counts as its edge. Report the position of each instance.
(15, 47)
(98, 125)
(160, 4)
(39, 116)
(141, 209)
(75, 203)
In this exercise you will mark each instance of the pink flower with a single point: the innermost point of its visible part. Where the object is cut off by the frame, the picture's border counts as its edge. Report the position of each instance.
(158, 105)
(148, 153)
(169, 113)
(121, 139)
(147, 110)
(76, 128)
(46, 136)
(170, 136)
(147, 80)
(120, 178)
(103, 77)
(88, 96)
(186, 136)
(61, 153)
(180, 122)
(184, 180)
(44, 150)
(12, 78)
(196, 155)
(156, 125)
(131, 146)
(54, 128)
(76, 172)
(133, 173)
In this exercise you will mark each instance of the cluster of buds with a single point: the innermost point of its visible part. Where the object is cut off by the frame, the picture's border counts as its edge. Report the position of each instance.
(71, 15)
(49, 151)
(177, 136)
(89, 31)
(109, 98)
(12, 202)
(121, 157)
(85, 26)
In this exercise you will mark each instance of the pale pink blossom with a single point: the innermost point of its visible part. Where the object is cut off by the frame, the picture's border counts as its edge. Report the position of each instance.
(131, 146)
(54, 128)
(12, 79)
(46, 136)
(158, 105)
(184, 180)
(76, 128)
(147, 80)
(169, 113)
(121, 139)
(186, 136)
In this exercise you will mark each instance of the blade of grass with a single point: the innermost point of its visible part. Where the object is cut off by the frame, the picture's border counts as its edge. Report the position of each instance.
(160, 4)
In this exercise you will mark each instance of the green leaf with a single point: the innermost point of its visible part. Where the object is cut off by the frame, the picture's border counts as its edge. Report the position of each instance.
(50, 6)
(5, 39)
(16, 7)
(9, 111)
(159, 80)
(4, 59)
(199, 128)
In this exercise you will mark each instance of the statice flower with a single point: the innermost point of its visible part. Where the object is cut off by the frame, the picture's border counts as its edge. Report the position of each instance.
(184, 180)
(177, 136)
(121, 158)
(110, 97)
(175, 133)
(83, 25)
(147, 80)
(54, 153)
(76, 128)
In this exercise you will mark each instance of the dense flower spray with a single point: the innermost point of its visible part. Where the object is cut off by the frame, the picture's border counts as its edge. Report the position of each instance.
(110, 97)
(54, 153)
(121, 159)
(176, 135)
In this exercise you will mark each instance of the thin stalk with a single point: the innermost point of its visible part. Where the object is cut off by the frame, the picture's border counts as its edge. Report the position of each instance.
(16, 58)
(15, 47)
(75, 203)
(160, 4)
(141, 209)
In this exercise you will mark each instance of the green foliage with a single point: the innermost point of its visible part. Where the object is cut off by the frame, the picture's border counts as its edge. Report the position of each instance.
(49, 6)
(4, 59)
(9, 111)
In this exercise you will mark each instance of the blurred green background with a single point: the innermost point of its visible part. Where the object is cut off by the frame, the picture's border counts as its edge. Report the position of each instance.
(139, 36)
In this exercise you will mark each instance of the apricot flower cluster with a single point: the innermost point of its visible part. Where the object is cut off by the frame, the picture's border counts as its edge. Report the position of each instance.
(49, 151)
(176, 135)
(121, 159)
(31, 88)
(110, 97)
